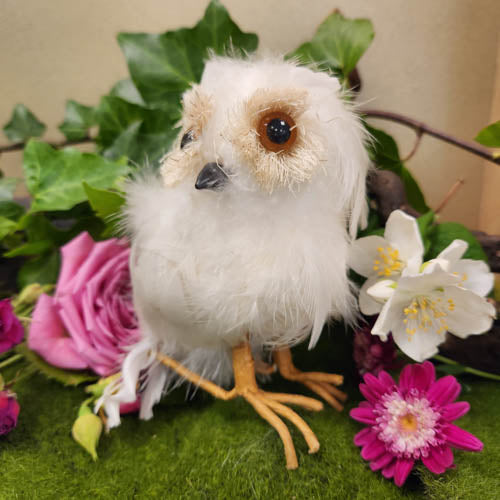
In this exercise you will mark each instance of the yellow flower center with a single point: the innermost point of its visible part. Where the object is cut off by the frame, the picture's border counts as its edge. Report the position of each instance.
(408, 422)
(387, 261)
(426, 313)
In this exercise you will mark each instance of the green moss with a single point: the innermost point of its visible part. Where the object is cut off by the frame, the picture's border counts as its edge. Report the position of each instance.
(213, 449)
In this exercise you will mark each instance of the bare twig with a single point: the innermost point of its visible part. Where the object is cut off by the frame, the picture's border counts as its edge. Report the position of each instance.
(449, 195)
(415, 146)
(422, 128)
(19, 146)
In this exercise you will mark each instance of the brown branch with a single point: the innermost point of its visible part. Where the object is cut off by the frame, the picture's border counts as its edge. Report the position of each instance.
(418, 140)
(19, 146)
(422, 128)
(449, 195)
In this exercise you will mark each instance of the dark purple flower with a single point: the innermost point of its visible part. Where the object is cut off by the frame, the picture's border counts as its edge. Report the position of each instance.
(371, 354)
(411, 421)
(11, 330)
(9, 410)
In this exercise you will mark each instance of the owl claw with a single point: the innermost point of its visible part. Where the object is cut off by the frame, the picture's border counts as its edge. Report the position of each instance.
(323, 384)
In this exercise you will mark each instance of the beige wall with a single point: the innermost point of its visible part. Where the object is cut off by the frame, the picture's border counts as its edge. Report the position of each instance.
(433, 60)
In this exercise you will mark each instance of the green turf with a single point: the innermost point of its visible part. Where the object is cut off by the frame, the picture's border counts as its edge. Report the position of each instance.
(212, 449)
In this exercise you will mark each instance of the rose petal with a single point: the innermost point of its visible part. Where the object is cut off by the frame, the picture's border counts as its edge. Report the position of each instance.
(458, 438)
(403, 468)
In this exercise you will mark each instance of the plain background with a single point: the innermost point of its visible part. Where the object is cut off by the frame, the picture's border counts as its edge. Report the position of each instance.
(433, 61)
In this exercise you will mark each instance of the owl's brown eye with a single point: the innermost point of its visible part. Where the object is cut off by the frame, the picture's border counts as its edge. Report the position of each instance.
(187, 138)
(277, 131)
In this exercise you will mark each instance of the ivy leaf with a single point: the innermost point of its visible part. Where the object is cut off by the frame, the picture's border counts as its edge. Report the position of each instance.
(126, 129)
(54, 178)
(490, 136)
(163, 66)
(104, 202)
(441, 235)
(337, 45)
(43, 269)
(23, 124)
(126, 90)
(11, 210)
(7, 187)
(424, 225)
(77, 121)
(384, 153)
(66, 377)
(7, 226)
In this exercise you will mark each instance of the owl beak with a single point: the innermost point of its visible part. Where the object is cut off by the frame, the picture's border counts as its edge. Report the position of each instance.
(211, 176)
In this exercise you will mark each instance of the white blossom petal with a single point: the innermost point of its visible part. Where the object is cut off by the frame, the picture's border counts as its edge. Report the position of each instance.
(475, 274)
(471, 314)
(433, 278)
(382, 290)
(390, 317)
(419, 346)
(402, 231)
(363, 252)
(367, 305)
(454, 251)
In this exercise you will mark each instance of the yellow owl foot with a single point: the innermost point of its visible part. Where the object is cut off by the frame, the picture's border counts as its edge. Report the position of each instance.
(323, 384)
(269, 405)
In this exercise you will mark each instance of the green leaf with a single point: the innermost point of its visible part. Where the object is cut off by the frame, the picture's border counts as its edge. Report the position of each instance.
(7, 187)
(441, 235)
(126, 90)
(11, 210)
(86, 432)
(7, 226)
(384, 153)
(104, 202)
(23, 124)
(163, 66)
(65, 377)
(126, 129)
(490, 136)
(77, 121)
(424, 224)
(43, 269)
(34, 248)
(337, 45)
(54, 178)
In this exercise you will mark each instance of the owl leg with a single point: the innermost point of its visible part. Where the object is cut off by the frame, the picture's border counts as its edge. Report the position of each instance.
(322, 384)
(267, 404)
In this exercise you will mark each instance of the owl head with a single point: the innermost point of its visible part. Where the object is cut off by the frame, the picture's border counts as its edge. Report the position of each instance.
(271, 130)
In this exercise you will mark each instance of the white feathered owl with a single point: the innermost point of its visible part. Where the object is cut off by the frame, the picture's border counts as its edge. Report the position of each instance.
(239, 245)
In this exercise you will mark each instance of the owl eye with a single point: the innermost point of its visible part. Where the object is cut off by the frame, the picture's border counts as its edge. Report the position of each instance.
(187, 138)
(277, 131)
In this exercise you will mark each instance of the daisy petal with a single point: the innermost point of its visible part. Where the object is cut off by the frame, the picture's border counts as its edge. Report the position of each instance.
(364, 437)
(368, 393)
(363, 252)
(432, 464)
(386, 379)
(374, 384)
(388, 471)
(444, 456)
(456, 410)
(444, 391)
(373, 450)
(458, 438)
(403, 468)
(381, 462)
(363, 415)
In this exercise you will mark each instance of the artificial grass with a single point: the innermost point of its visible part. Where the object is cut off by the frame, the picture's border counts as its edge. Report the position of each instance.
(204, 448)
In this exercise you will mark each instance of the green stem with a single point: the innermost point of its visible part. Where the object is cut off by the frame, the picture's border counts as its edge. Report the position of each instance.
(11, 360)
(468, 369)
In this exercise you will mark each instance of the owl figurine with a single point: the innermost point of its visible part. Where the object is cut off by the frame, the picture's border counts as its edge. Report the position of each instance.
(240, 242)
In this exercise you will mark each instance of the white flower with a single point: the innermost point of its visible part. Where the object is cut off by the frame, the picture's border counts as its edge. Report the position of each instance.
(376, 257)
(475, 274)
(423, 307)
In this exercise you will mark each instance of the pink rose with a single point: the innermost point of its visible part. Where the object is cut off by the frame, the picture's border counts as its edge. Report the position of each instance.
(90, 320)
(9, 410)
(11, 330)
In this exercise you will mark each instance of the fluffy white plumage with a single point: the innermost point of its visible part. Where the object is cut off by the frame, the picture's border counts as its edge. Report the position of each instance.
(266, 255)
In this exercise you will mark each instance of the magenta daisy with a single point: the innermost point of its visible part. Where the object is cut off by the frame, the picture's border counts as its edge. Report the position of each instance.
(411, 421)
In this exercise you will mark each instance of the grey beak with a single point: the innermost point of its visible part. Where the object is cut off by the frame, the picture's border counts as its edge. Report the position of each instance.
(211, 177)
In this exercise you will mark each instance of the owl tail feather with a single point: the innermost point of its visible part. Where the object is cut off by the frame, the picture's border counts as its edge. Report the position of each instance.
(140, 369)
